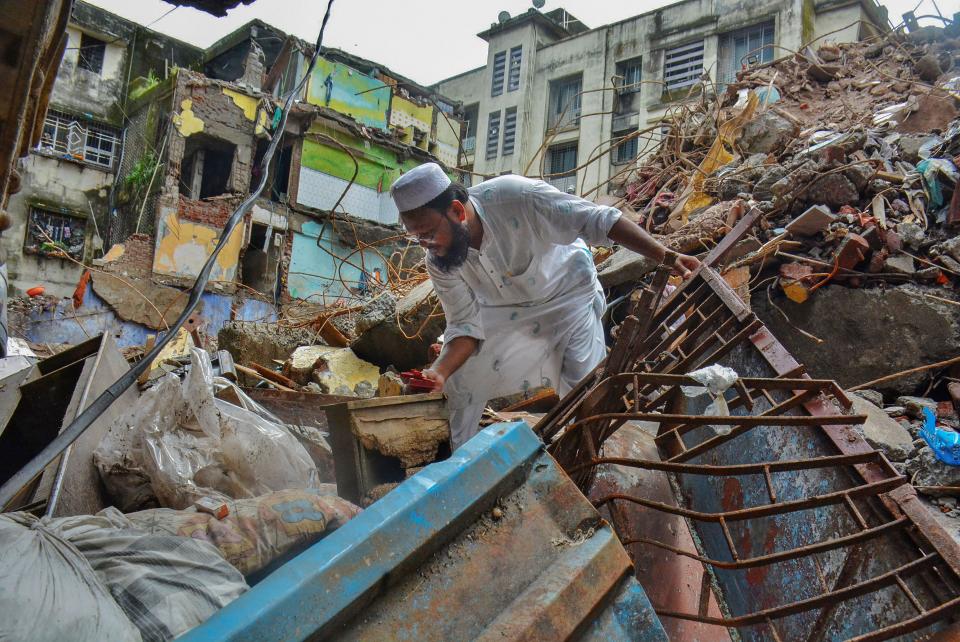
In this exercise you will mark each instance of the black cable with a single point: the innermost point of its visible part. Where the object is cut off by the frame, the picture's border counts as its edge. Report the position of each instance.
(85, 419)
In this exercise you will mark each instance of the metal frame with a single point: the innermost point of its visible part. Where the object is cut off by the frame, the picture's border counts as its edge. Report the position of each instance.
(701, 323)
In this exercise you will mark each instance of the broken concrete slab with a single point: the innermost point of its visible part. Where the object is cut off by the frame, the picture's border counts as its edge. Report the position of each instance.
(624, 266)
(914, 405)
(332, 368)
(816, 219)
(900, 264)
(375, 440)
(897, 326)
(926, 470)
(145, 308)
(261, 343)
(767, 133)
(404, 345)
(882, 432)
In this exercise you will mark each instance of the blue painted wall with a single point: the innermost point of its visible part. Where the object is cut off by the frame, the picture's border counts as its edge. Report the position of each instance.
(314, 274)
(66, 325)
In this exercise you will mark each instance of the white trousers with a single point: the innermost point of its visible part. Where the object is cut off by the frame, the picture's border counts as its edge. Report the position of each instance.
(554, 344)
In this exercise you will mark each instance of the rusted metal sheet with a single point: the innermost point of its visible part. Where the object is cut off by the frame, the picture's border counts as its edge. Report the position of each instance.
(495, 543)
(783, 494)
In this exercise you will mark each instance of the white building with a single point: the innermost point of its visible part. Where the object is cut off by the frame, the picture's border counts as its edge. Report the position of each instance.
(548, 82)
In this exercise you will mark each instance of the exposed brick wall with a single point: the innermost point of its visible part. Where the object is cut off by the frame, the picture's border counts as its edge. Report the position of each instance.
(137, 258)
(212, 213)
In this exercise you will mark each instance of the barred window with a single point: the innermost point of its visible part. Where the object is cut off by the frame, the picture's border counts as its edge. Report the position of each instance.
(499, 68)
(626, 150)
(91, 55)
(562, 161)
(565, 103)
(86, 141)
(493, 134)
(682, 66)
(509, 130)
(513, 76)
(52, 234)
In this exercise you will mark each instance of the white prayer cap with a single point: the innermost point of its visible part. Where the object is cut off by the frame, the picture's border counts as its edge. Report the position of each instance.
(419, 186)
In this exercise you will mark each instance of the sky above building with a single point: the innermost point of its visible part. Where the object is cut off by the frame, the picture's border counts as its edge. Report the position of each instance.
(425, 40)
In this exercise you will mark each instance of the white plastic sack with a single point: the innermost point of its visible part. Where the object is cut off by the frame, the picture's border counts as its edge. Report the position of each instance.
(165, 584)
(191, 444)
(49, 590)
(716, 379)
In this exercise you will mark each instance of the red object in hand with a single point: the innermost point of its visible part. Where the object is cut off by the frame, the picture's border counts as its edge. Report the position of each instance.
(37, 291)
(416, 381)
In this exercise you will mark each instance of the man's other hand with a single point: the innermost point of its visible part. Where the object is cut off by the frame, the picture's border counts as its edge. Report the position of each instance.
(685, 265)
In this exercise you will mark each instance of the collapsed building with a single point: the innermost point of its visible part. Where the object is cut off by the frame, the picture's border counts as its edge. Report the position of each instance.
(701, 483)
(172, 151)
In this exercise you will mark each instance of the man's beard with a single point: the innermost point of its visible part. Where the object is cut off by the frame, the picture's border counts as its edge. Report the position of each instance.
(456, 253)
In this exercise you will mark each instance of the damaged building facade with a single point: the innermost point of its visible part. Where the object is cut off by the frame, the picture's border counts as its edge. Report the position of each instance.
(58, 218)
(324, 230)
(555, 95)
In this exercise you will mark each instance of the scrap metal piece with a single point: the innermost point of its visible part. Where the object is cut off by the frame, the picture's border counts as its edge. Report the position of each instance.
(782, 493)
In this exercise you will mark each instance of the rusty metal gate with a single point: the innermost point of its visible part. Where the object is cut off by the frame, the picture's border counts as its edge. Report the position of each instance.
(805, 531)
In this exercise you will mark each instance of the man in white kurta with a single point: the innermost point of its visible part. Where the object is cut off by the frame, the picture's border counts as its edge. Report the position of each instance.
(517, 283)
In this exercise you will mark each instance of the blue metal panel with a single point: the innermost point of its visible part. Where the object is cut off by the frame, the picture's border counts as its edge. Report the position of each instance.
(430, 562)
(629, 617)
(324, 582)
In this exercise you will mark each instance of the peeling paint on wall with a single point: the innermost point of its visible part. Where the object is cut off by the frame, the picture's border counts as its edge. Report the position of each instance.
(186, 122)
(349, 92)
(314, 272)
(249, 106)
(183, 248)
(409, 115)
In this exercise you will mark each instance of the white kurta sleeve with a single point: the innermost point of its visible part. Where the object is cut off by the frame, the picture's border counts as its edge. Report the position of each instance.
(563, 218)
(460, 306)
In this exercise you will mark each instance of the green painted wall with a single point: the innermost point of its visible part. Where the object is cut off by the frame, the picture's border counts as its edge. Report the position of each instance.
(378, 167)
(346, 90)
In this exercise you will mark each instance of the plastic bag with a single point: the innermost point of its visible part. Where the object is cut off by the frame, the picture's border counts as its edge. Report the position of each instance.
(166, 585)
(50, 591)
(716, 379)
(256, 531)
(191, 445)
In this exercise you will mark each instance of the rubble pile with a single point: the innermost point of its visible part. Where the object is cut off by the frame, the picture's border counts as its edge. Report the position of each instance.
(849, 150)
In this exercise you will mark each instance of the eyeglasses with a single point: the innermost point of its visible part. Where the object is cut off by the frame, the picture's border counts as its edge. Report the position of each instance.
(424, 237)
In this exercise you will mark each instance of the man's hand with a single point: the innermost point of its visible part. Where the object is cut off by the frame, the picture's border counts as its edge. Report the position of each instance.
(685, 265)
(434, 376)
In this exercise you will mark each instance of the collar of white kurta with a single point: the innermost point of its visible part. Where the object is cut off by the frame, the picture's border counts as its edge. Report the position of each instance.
(419, 186)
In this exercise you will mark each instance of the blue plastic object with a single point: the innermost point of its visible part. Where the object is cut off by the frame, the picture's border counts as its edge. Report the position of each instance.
(944, 443)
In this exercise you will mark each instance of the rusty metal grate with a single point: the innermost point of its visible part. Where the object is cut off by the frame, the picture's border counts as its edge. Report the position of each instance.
(843, 528)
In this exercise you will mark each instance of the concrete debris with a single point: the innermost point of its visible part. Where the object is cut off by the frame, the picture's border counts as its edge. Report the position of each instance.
(914, 405)
(263, 343)
(900, 327)
(882, 432)
(400, 337)
(337, 371)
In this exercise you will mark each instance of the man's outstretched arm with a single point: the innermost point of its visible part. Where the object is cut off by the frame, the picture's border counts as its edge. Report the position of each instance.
(633, 237)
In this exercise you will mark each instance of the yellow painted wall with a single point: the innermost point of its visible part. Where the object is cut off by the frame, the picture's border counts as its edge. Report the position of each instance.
(186, 121)
(183, 247)
(407, 114)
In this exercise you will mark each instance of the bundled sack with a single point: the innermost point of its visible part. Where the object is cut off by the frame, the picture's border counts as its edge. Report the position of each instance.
(50, 591)
(166, 585)
(188, 444)
(256, 531)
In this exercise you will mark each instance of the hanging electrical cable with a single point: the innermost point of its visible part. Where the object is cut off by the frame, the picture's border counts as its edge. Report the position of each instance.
(86, 418)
